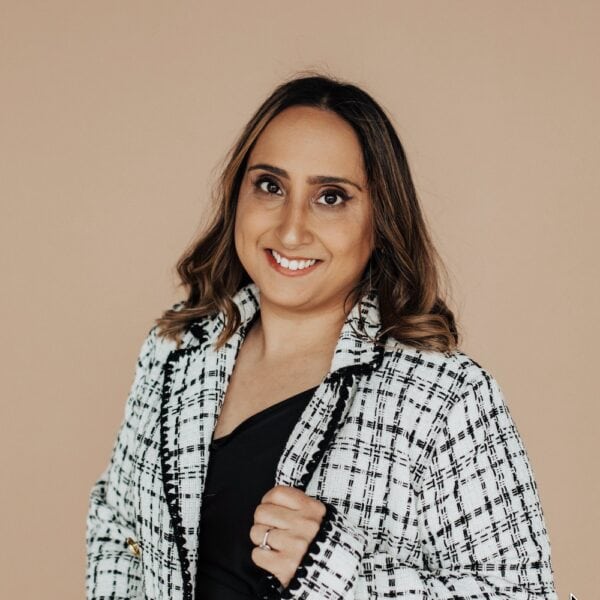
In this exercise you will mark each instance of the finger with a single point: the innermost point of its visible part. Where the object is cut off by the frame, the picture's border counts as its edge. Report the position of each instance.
(275, 539)
(274, 515)
(319, 509)
(271, 561)
(286, 551)
(295, 499)
(285, 495)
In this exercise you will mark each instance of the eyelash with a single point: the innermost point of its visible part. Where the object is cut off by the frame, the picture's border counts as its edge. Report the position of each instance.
(338, 192)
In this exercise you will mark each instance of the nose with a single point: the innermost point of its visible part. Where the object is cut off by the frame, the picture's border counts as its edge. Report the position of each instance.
(293, 228)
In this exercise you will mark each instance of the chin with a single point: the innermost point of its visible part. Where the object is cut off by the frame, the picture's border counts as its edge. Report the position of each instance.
(286, 295)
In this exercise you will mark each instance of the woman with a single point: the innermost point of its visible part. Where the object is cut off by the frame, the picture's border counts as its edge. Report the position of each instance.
(304, 425)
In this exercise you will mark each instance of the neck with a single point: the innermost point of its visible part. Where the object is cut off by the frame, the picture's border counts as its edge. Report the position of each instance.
(279, 333)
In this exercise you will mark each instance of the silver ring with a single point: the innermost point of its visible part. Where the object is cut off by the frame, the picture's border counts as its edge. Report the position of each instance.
(264, 544)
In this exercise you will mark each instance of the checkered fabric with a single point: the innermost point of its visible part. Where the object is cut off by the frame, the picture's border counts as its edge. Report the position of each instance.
(428, 487)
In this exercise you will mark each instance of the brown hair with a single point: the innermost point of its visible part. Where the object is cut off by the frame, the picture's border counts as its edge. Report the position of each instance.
(404, 267)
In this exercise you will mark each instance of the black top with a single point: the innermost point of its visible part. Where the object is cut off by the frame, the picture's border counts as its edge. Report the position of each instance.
(241, 469)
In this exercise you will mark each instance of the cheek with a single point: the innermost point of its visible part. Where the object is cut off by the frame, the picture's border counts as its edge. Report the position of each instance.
(250, 216)
(243, 222)
(349, 240)
(251, 224)
(237, 228)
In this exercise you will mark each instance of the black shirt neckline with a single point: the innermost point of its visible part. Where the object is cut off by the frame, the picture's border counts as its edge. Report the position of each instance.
(217, 442)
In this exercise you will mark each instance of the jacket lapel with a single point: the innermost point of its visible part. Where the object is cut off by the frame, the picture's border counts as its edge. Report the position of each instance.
(194, 386)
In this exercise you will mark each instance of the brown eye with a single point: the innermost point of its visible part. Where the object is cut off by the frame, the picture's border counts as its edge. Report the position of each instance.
(269, 188)
(331, 197)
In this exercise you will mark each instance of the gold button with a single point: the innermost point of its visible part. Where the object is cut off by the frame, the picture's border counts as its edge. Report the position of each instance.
(133, 546)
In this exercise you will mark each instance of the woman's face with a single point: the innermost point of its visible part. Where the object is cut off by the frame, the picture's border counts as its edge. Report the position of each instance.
(303, 198)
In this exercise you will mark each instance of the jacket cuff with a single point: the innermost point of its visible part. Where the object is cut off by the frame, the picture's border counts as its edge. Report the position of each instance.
(330, 565)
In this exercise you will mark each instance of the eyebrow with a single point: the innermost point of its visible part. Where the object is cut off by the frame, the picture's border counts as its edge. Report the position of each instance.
(314, 179)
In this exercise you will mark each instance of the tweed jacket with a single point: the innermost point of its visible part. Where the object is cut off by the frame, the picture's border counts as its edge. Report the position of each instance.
(428, 488)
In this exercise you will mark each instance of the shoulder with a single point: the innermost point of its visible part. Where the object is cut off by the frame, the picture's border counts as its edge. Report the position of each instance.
(438, 380)
(432, 365)
(161, 347)
(435, 394)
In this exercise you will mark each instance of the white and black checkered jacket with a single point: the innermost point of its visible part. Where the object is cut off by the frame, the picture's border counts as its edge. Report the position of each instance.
(428, 487)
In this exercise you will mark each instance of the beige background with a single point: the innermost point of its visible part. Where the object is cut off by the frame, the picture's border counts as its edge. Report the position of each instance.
(115, 117)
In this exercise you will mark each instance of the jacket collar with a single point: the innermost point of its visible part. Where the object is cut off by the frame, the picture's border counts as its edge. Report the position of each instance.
(352, 348)
(195, 382)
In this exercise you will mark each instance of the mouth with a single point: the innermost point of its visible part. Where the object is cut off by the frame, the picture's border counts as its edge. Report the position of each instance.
(293, 267)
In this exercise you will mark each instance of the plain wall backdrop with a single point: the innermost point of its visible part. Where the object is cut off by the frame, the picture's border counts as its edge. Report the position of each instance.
(115, 119)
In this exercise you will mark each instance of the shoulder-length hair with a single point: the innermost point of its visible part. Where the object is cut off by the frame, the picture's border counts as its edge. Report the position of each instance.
(404, 266)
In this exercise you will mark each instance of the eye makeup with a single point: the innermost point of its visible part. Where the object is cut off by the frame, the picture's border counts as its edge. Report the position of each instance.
(341, 193)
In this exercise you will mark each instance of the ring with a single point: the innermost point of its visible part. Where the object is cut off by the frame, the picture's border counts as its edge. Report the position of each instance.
(264, 544)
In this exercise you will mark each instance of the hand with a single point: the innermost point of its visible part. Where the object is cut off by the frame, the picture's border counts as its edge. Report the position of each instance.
(294, 519)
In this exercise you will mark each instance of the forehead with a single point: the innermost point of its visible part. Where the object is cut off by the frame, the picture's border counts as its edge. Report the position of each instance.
(310, 141)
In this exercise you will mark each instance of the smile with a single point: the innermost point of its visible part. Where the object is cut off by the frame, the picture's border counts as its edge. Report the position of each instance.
(291, 267)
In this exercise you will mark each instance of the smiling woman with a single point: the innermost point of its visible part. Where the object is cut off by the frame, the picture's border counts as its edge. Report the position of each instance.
(304, 424)
(325, 151)
(297, 216)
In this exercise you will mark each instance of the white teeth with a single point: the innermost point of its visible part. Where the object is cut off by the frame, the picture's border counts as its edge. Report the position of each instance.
(293, 265)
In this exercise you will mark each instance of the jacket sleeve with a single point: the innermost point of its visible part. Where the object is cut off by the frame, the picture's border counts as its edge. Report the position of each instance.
(480, 519)
(113, 569)
(329, 568)
(481, 525)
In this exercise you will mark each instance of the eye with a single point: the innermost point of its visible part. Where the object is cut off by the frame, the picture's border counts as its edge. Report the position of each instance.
(335, 193)
(332, 193)
(270, 182)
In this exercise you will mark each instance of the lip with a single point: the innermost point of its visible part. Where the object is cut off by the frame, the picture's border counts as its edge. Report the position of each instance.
(288, 272)
(291, 257)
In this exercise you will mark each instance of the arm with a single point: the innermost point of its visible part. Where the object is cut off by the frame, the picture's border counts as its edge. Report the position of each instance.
(113, 571)
(481, 523)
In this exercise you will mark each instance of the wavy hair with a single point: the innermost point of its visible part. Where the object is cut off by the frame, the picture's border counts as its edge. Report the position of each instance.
(404, 268)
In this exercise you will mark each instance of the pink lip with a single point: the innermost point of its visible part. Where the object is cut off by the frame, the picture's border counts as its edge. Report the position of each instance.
(284, 271)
